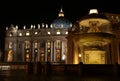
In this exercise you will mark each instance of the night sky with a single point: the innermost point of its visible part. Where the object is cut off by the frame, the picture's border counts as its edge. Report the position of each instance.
(23, 12)
(34, 12)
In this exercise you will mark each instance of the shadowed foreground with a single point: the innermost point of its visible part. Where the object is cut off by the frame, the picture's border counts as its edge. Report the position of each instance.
(22, 76)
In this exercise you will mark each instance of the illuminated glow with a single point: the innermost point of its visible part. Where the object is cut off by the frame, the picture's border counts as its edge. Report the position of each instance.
(20, 34)
(6, 28)
(66, 32)
(93, 11)
(63, 57)
(10, 56)
(36, 33)
(80, 55)
(38, 26)
(10, 45)
(16, 27)
(24, 27)
(36, 50)
(51, 26)
(94, 57)
(61, 14)
(27, 34)
(34, 26)
(48, 33)
(31, 26)
(48, 50)
(46, 26)
(58, 33)
(27, 56)
(5, 67)
(43, 25)
(35, 45)
(11, 35)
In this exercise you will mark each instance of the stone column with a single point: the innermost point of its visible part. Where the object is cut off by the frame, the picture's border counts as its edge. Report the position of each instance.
(46, 51)
(51, 51)
(23, 52)
(38, 51)
(54, 51)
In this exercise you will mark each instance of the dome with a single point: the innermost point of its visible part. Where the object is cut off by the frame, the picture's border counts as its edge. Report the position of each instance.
(61, 22)
(94, 16)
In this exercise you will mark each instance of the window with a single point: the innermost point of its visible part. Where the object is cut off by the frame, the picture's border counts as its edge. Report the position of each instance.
(58, 33)
(10, 45)
(35, 45)
(27, 44)
(11, 34)
(48, 33)
(66, 32)
(10, 56)
(27, 33)
(20, 34)
(36, 33)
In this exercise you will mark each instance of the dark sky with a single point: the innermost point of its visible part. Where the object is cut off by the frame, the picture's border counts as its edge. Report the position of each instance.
(34, 12)
(23, 12)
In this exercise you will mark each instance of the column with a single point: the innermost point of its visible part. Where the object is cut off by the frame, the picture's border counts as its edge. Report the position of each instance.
(38, 51)
(23, 52)
(54, 52)
(82, 53)
(118, 53)
(46, 51)
(32, 51)
(14, 52)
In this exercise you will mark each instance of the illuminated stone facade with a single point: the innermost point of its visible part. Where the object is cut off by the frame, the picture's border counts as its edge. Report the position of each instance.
(55, 43)
(39, 43)
(96, 43)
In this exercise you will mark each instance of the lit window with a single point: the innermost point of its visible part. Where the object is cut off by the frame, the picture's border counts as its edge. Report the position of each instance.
(36, 33)
(24, 27)
(58, 32)
(36, 50)
(36, 45)
(10, 56)
(27, 51)
(63, 57)
(48, 44)
(27, 34)
(93, 11)
(48, 50)
(27, 44)
(49, 33)
(66, 33)
(10, 44)
(20, 34)
(11, 34)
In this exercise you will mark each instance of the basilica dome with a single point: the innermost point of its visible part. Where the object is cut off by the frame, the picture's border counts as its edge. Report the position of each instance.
(61, 21)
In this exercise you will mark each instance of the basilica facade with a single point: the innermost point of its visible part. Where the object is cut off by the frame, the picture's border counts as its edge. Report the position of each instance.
(64, 42)
(38, 43)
